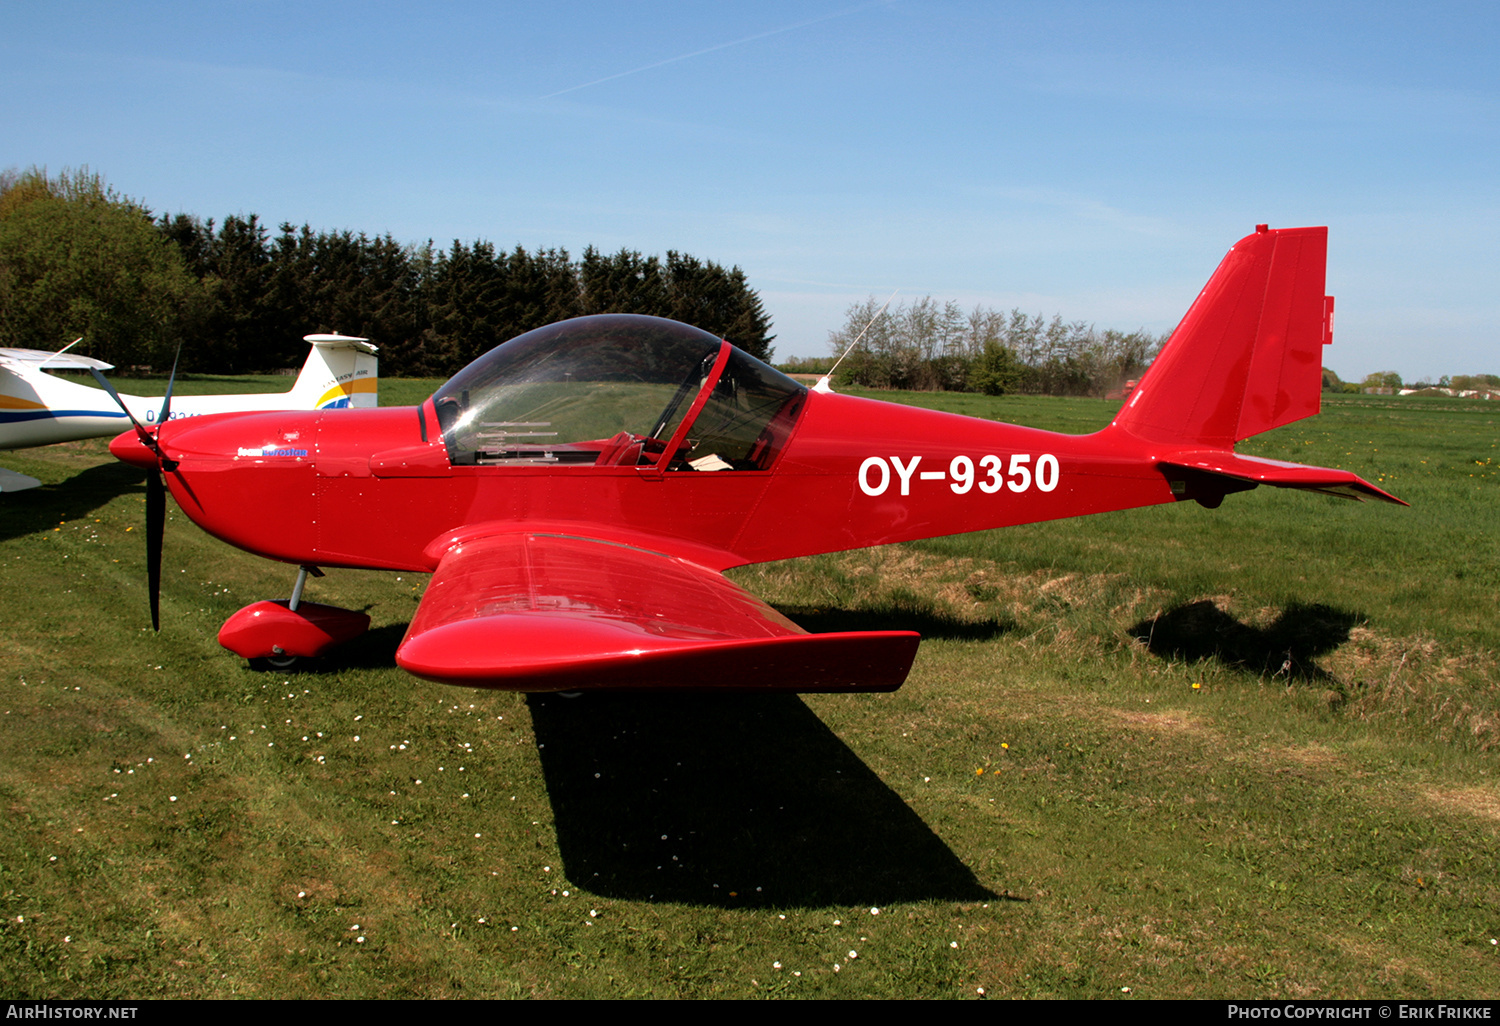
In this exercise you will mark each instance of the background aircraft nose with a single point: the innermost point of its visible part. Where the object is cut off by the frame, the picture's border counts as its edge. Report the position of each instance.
(129, 448)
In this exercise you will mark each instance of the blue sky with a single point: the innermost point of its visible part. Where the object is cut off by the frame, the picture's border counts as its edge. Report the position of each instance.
(1093, 160)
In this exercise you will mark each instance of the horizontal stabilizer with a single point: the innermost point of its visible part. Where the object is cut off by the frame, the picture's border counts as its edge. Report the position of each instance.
(341, 342)
(546, 612)
(1255, 470)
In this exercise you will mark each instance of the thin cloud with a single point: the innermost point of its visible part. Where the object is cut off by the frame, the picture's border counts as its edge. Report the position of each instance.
(714, 49)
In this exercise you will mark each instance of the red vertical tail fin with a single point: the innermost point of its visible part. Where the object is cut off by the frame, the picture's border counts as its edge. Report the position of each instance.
(1248, 355)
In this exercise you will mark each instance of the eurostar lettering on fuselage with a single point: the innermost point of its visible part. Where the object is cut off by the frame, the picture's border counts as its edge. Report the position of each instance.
(270, 452)
(991, 475)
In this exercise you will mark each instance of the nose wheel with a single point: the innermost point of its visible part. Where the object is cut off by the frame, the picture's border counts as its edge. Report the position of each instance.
(281, 664)
(291, 634)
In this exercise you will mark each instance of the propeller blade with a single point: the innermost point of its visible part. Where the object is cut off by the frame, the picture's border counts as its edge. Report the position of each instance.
(156, 521)
(156, 490)
(166, 405)
(146, 437)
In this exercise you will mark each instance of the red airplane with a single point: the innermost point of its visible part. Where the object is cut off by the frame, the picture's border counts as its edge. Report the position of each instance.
(577, 491)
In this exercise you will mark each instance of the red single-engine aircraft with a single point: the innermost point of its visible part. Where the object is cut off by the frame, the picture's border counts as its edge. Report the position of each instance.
(577, 491)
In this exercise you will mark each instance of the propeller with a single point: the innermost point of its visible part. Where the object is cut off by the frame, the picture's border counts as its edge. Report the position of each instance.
(156, 490)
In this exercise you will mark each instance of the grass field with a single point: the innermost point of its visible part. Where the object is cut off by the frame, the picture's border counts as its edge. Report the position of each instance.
(1243, 752)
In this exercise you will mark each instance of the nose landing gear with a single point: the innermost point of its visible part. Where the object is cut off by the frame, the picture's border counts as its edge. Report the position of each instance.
(289, 634)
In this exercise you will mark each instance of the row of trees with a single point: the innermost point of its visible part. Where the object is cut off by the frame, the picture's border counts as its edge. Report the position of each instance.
(930, 345)
(76, 258)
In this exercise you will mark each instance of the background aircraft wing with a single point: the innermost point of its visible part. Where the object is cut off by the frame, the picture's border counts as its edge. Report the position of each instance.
(32, 358)
(11, 481)
(551, 612)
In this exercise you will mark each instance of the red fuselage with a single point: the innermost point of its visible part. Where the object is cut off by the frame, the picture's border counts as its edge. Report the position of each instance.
(362, 488)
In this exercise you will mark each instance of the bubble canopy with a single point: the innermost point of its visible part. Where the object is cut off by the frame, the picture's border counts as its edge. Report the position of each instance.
(619, 390)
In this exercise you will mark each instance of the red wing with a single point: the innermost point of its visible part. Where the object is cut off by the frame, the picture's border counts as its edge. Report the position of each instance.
(548, 612)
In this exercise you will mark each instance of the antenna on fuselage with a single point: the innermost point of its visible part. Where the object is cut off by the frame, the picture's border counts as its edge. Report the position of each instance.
(824, 383)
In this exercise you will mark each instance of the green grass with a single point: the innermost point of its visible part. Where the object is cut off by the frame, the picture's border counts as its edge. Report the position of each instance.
(1243, 752)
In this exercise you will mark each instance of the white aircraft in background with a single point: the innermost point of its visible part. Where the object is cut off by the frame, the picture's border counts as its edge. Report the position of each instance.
(37, 408)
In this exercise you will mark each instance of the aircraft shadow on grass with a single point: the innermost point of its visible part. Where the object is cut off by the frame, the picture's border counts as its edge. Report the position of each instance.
(41, 509)
(373, 650)
(680, 797)
(1286, 648)
(730, 801)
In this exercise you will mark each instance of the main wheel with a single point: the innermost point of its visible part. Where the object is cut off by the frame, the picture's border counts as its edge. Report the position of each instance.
(282, 664)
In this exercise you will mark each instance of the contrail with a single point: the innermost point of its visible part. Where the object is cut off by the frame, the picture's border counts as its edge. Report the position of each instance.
(712, 49)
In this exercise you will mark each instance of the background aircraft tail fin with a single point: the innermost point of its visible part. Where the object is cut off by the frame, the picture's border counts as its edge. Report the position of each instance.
(340, 372)
(1248, 355)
